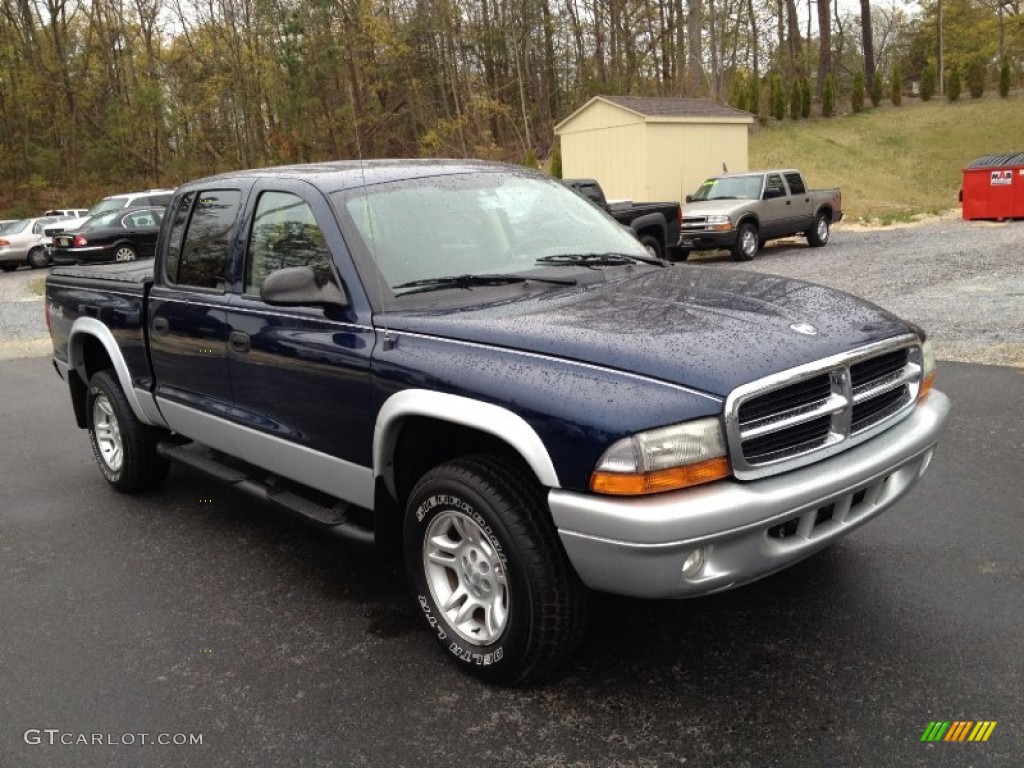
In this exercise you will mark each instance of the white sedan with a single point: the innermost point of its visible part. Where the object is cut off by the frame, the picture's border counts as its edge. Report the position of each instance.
(23, 242)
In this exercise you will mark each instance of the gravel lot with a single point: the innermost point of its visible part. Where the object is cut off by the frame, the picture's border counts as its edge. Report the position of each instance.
(962, 281)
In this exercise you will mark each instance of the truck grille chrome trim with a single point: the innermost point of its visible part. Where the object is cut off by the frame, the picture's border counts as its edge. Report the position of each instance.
(800, 416)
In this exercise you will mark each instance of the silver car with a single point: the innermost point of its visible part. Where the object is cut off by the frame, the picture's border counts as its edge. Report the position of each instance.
(23, 242)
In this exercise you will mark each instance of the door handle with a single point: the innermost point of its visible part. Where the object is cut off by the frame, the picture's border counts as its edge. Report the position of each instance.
(239, 341)
(789, 202)
(161, 325)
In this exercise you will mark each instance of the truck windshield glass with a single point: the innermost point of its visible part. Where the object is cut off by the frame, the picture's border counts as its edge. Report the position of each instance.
(732, 188)
(474, 224)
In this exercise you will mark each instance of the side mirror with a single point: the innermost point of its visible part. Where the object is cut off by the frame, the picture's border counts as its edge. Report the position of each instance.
(298, 286)
(689, 198)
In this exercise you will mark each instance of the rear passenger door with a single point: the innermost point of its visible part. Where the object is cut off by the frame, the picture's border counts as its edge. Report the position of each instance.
(301, 374)
(801, 212)
(775, 206)
(187, 322)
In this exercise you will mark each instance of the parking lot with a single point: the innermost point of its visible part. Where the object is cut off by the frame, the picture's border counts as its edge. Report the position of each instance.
(193, 611)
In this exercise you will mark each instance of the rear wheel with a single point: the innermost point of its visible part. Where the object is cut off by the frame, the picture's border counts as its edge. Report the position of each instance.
(124, 447)
(678, 253)
(124, 253)
(746, 244)
(652, 245)
(818, 234)
(489, 572)
(37, 258)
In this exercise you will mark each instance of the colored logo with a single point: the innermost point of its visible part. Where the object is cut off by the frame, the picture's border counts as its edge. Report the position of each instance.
(958, 730)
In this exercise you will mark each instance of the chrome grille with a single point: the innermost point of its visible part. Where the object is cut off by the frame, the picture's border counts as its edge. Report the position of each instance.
(694, 222)
(805, 414)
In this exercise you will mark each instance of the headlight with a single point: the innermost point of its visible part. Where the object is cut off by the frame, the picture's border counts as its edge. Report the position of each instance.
(927, 369)
(663, 460)
(719, 222)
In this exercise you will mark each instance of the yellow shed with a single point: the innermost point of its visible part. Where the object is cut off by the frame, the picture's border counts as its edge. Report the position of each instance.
(652, 149)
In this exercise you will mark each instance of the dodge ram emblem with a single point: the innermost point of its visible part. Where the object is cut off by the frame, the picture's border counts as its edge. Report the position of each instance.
(805, 328)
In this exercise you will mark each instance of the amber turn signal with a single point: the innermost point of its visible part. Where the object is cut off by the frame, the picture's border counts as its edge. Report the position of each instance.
(659, 481)
(926, 386)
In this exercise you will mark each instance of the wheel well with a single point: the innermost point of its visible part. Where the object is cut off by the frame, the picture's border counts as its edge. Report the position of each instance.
(94, 358)
(425, 443)
(749, 220)
(654, 232)
(826, 210)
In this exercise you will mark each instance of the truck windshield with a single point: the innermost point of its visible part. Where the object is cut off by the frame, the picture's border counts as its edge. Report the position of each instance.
(730, 188)
(490, 223)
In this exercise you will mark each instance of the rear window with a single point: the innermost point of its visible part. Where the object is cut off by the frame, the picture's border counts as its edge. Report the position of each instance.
(796, 184)
(108, 204)
(200, 238)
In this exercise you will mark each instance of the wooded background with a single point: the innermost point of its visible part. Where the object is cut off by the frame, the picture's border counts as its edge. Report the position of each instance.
(114, 95)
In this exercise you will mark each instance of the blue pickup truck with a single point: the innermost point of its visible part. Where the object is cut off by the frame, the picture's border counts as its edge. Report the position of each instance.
(469, 365)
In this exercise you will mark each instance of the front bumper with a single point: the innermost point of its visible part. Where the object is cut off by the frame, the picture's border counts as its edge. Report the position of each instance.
(748, 530)
(706, 239)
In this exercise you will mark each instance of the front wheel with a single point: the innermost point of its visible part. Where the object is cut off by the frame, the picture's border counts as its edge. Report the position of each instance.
(124, 447)
(746, 242)
(818, 234)
(37, 258)
(652, 245)
(489, 573)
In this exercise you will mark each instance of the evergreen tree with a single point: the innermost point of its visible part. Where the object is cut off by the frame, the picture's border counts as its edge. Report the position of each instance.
(796, 100)
(805, 98)
(928, 82)
(857, 95)
(828, 97)
(1004, 79)
(754, 96)
(976, 79)
(738, 92)
(877, 89)
(953, 83)
(556, 161)
(778, 97)
(896, 86)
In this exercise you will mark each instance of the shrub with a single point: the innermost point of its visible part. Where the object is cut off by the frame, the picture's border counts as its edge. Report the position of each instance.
(556, 161)
(805, 98)
(754, 95)
(1004, 79)
(795, 100)
(738, 91)
(828, 97)
(857, 95)
(896, 86)
(877, 89)
(954, 84)
(928, 82)
(530, 159)
(976, 79)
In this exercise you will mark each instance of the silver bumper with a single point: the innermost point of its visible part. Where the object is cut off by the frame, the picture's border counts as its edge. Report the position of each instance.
(748, 530)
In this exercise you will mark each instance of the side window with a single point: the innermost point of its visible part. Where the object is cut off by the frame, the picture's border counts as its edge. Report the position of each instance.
(796, 184)
(172, 257)
(774, 187)
(204, 251)
(284, 234)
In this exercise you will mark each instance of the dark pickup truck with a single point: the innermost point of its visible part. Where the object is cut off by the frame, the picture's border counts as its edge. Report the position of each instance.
(656, 224)
(469, 365)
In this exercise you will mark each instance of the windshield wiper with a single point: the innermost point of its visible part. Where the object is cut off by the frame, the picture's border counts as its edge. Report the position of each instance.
(599, 259)
(469, 281)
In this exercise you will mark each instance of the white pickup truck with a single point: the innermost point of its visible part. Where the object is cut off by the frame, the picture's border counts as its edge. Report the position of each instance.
(740, 212)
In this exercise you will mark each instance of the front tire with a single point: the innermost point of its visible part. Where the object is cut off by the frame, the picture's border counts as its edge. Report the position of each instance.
(37, 258)
(818, 234)
(489, 572)
(124, 447)
(652, 245)
(746, 245)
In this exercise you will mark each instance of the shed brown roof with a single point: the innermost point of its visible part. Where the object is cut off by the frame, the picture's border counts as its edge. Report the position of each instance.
(655, 106)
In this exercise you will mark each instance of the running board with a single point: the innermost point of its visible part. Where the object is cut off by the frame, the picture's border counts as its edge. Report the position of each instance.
(264, 487)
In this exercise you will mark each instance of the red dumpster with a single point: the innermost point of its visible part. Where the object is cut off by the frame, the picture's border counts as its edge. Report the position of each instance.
(993, 187)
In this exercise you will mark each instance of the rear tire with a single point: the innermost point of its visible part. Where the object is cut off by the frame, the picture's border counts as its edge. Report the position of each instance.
(818, 234)
(489, 573)
(124, 253)
(124, 447)
(37, 258)
(652, 245)
(678, 253)
(746, 244)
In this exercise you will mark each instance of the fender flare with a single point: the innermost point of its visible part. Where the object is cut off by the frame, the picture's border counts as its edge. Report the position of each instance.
(485, 417)
(90, 326)
(649, 220)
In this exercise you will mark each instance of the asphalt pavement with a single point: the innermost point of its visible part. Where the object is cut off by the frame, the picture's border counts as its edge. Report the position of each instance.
(192, 612)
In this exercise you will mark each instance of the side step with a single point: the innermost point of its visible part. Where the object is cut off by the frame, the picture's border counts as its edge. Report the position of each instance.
(264, 487)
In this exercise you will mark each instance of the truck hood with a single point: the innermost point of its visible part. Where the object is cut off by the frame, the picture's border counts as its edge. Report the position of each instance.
(714, 207)
(707, 329)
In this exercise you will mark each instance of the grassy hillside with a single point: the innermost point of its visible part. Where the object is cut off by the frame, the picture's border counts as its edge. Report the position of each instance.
(894, 162)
